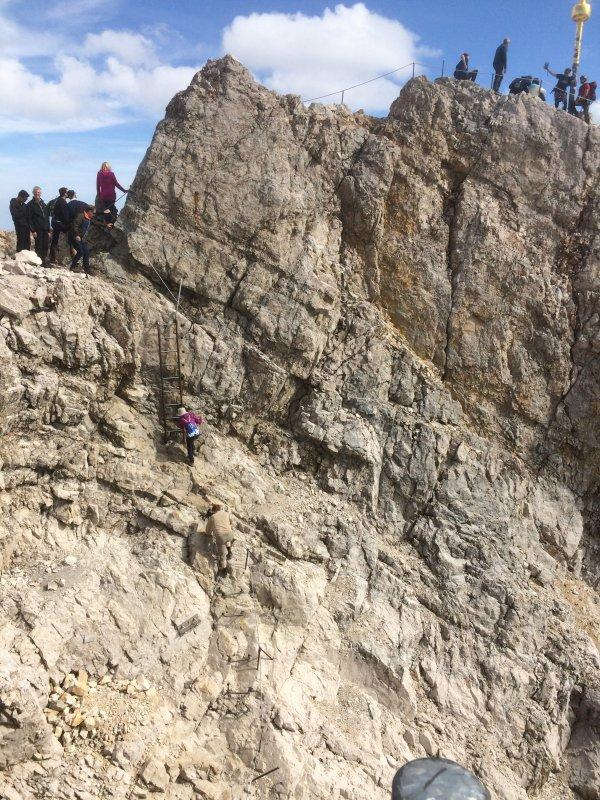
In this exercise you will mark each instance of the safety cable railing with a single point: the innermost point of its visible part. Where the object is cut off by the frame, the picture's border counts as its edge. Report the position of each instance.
(413, 64)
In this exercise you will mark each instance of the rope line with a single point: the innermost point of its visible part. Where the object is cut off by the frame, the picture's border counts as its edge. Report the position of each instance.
(364, 83)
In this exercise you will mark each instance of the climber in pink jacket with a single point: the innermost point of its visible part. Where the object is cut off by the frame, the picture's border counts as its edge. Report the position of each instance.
(106, 186)
(190, 425)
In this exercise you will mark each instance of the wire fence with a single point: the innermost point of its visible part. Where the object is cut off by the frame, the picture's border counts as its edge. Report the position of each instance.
(412, 65)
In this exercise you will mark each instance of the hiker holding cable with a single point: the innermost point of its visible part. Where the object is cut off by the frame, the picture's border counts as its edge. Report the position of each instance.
(106, 185)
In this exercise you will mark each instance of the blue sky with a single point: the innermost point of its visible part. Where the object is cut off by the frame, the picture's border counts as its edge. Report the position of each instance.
(85, 81)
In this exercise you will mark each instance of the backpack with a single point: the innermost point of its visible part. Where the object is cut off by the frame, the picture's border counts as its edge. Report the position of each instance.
(191, 429)
(592, 93)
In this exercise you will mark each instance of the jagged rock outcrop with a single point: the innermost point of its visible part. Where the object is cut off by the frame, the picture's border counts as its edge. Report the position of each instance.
(390, 325)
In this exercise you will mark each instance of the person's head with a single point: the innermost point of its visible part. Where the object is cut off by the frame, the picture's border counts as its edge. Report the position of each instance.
(105, 166)
(62, 191)
(37, 192)
(583, 79)
(506, 42)
(88, 212)
(568, 71)
(465, 55)
(71, 194)
(23, 195)
(181, 411)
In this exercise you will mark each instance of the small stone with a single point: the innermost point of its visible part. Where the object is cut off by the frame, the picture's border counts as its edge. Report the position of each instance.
(70, 561)
(83, 733)
(105, 679)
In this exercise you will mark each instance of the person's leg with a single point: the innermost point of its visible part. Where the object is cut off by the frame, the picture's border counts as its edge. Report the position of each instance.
(44, 239)
(85, 250)
(78, 253)
(586, 112)
(190, 448)
(498, 81)
(23, 239)
(54, 244)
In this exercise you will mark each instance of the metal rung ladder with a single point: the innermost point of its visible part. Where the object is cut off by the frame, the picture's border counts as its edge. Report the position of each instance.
(171, 382)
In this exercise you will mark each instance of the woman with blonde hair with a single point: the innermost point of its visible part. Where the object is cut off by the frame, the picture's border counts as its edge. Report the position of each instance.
(106, 186)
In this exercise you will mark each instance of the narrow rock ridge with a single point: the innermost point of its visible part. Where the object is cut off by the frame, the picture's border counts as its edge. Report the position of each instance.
(391, 326)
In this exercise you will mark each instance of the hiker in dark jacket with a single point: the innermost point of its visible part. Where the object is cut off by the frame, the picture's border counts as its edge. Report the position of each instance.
(500, 63)
(61, 223)
(20, 217)
(39, 223)
(80, 228)
(462, 71)
(564, 80)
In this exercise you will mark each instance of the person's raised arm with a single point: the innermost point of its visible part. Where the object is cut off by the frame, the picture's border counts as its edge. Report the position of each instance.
(549, 71)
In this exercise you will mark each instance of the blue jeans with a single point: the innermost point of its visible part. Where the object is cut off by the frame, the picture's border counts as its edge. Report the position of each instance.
(82, 250)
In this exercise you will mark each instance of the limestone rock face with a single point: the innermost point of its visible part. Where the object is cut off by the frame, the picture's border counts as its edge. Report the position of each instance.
(391, 328)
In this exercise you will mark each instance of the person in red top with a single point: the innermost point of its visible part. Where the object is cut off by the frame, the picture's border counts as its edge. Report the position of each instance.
(585, 97)
(106, 186)
(190, 425)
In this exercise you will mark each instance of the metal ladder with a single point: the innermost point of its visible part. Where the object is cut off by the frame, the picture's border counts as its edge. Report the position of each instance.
(171, 382)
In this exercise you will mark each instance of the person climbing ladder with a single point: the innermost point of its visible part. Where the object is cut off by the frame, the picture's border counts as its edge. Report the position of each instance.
(190, 425)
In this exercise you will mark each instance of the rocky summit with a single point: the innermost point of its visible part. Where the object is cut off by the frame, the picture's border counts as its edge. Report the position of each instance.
(391, 327)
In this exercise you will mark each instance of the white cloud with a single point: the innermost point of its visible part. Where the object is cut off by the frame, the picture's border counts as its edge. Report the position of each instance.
(73, 11)
(83, 97)
(130, 48)
(17, 40)
(312, 56)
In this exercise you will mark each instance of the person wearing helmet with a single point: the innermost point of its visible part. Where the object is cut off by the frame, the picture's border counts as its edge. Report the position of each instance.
(564, 80)
(586, 96)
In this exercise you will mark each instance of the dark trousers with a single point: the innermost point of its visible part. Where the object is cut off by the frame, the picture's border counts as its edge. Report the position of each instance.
(103, 207)
(585, 108)
(54, 245)
(464, 75)
(23, 239)
(190, 442)
(82, 249)
(498, 78)
(42, 241)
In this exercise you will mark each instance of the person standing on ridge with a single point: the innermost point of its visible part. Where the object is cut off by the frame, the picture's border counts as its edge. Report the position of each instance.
(462, 71)
(586, 96)
(20, 218)
(561, 90)
(106, 185)
(39, 223)
(500, 63)
(190, 425)
(81, 226)
(60, 222)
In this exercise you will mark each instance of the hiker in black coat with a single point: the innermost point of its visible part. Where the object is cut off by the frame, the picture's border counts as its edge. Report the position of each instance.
(500, 63)
(462, 71)
(20, 217)
(39, 223)
(60, 221)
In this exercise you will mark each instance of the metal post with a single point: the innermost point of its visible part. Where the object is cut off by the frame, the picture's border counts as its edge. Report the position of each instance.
(343, 96)
(580, 14)
(413, 69)
(443, 66)
(180, 382)
(162, 383)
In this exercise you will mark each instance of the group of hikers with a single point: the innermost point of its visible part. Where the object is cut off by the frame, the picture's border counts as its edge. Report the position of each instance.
(566, 81)
(64, 216)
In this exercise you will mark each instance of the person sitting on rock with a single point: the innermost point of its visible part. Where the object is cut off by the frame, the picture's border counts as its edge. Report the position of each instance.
(81, 226)
(106, 185)
(219, 527)
(20, 218)
(462, 71)
(190, 425)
